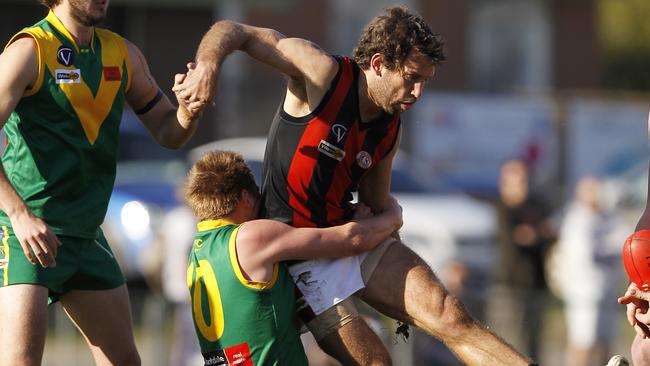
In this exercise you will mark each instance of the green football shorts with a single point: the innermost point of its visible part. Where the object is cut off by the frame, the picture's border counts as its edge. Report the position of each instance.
(81, 264)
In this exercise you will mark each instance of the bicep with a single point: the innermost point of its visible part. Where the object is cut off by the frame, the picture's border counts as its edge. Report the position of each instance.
(143, 86)
(20, 65)
(145, 98)
(295, 57)
(277, 241)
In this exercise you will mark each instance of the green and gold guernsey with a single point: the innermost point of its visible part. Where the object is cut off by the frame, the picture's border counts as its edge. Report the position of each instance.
(62, 137)
(237, 321)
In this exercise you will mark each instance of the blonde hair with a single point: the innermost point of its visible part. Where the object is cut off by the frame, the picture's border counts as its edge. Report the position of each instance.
(215, 183)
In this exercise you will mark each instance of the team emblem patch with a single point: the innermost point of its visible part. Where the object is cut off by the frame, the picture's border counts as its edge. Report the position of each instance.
(339, 131)
(112, 73)
(364, 160)
(331, 150)
(65, 55)
(64, 76)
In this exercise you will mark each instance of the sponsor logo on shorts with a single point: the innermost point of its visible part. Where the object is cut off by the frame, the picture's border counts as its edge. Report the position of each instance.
(4, 263)
(364, 160)
(331, 150)
(339, 131)
(65, 56)
(64, 76)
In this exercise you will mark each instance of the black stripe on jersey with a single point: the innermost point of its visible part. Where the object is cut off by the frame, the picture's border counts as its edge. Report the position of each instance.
(374, 137)
(325, 168)
(284, 136)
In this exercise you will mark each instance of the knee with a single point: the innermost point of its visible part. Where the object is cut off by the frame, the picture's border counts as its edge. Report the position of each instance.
(451, 319)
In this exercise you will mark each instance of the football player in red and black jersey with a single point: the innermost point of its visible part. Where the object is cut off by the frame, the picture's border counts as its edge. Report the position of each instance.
(336, 132)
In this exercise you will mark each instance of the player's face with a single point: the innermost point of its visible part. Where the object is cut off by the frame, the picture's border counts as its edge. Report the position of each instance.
(88, 12)
(404, 85)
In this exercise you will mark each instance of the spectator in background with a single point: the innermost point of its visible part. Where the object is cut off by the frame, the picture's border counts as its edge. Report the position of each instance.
(589, 268)
(524, 234)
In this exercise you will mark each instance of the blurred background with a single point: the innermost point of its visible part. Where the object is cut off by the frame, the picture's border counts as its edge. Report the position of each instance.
(524, 164)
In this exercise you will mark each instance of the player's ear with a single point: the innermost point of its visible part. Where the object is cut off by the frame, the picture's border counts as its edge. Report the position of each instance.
(376, 62)
(247, 199)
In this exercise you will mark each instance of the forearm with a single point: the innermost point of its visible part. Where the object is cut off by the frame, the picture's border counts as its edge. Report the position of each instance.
(372, 231)
(177, 128)
(223, 38)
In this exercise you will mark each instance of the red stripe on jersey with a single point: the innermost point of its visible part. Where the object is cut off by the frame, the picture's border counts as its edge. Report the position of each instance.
(386, 143)
(343, 176)
(302, 166)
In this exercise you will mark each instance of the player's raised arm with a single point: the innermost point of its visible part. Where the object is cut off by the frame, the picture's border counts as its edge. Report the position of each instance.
(20, 63)
(299, 59)
(171, 127)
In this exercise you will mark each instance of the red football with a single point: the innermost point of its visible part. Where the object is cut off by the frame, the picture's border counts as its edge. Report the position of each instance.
(636, 258)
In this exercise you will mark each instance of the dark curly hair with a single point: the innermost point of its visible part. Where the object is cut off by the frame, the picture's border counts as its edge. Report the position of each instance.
(395, 35)
(50, 3)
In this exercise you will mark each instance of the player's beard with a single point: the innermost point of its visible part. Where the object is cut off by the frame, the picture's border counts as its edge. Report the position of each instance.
(83, 16)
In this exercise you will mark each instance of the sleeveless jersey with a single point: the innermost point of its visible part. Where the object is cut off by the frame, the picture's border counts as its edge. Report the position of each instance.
(312, 164)
(240, 322)
(62, 137)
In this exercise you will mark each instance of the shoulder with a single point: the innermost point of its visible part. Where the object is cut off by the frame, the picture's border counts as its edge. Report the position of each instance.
(262, 230)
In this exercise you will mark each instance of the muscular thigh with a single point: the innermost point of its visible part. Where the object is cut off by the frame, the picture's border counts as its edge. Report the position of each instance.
(404, 287)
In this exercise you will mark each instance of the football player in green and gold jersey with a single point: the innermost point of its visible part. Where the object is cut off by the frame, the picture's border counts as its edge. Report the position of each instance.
(63, 93)
(243, 297)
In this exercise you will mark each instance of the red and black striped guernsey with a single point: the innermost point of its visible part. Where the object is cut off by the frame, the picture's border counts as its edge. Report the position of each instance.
(313, 163)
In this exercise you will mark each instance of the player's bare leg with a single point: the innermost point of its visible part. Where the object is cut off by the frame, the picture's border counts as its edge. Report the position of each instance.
(23, 324)
(405, 288)
(104, 318)
(356, 344)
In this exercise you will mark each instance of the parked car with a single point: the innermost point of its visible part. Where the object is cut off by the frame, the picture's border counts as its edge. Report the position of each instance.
(441, 224)
(144, 191)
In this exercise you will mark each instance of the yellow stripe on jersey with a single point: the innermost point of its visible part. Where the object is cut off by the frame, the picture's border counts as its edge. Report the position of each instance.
(234, 262)
(91, 110)
(39, 80)
(212, 224)
(5, 248)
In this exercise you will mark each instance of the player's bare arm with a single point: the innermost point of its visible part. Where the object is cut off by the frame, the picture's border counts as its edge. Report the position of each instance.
(261, 243)
(309, 68)
(171, 127)
(20, 62)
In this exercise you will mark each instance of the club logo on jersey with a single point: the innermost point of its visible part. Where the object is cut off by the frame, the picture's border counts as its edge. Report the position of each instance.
(364, 160)
(331, 150)
(65, 56)
(64, 76)
(112, 73)
(339, 131)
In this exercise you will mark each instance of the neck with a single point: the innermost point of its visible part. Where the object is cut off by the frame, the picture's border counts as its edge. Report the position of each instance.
(369, 108)
(81, 33)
